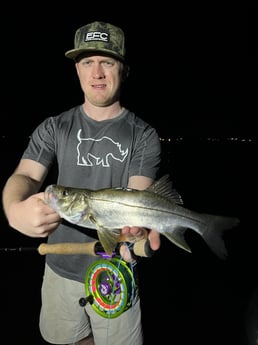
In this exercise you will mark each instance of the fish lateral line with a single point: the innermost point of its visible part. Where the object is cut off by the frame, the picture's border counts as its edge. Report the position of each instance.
(172, 213)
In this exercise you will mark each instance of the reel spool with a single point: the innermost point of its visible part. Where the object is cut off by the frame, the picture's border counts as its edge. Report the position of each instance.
(111, 285)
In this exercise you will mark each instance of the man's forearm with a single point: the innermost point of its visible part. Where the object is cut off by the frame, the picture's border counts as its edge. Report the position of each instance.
(17, 188)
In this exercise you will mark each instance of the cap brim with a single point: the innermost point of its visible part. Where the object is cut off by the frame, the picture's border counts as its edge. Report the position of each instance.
(74, 53)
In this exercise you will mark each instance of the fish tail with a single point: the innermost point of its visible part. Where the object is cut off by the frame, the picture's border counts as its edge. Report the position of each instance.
(213, 235)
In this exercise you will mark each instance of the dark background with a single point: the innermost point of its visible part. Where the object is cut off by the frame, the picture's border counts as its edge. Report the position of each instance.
(193, 77)
(193, 65)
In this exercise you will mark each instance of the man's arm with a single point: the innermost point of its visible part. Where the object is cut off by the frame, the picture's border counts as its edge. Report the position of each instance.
(24, 207)
(139, 182)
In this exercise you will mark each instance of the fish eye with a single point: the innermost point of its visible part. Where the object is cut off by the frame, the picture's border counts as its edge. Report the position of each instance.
(65, 193)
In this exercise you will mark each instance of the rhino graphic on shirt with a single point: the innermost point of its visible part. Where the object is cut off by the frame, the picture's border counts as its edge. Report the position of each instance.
(99, 151)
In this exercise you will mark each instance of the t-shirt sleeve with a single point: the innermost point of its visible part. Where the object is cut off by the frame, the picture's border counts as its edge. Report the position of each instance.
(41, 146)
(147, 154)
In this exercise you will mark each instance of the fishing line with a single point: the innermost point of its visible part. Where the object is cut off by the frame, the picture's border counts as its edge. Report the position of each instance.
(132, 262)
(76, 333)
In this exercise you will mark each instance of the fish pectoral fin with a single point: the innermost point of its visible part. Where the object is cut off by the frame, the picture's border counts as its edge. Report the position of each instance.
(108, 238)
(92, 219)
(177, 237)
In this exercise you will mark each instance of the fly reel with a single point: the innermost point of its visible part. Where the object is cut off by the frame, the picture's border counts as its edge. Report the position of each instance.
(110, 285)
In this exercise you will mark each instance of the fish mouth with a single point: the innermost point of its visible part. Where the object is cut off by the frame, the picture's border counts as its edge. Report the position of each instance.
(49, 196)
(48, 189)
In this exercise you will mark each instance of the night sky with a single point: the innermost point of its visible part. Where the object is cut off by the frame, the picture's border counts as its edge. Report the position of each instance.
(193, 67)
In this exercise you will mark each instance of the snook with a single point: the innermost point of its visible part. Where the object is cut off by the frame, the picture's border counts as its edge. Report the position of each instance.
(158, 207)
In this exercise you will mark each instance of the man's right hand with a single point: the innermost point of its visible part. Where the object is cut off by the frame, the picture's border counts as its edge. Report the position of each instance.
(33, 217)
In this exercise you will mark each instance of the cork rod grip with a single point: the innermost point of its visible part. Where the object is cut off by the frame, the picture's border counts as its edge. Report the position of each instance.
(68, 248)
(140, 248)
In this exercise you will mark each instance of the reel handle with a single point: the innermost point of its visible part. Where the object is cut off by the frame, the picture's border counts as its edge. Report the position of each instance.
(140, 248)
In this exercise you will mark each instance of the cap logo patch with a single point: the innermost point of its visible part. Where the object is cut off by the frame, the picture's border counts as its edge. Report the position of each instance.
(97, 36)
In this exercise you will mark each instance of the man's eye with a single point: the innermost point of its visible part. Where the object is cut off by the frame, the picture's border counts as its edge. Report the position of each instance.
(108, 63)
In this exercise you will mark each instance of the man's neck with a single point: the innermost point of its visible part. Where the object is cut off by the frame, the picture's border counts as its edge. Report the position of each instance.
(103, 113)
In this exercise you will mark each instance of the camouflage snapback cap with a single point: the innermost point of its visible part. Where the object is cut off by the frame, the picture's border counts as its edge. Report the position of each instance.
(98, 37)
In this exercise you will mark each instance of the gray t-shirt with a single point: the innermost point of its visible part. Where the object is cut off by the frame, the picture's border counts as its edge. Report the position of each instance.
(92, 154)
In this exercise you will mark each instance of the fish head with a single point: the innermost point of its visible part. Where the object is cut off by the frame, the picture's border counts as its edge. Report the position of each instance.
(70, 203)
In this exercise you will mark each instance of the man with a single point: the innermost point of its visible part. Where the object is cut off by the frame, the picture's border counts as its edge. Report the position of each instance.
(98, 144)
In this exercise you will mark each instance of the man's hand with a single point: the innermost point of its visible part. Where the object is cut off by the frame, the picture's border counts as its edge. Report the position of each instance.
(33, 217)
(139, 233)
(133, 234)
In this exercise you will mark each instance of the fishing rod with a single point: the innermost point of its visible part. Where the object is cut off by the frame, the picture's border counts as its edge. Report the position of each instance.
(109, 282)
(139, 248)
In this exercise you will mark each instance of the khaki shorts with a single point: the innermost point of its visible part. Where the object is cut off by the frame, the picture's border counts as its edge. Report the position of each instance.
(64, 321)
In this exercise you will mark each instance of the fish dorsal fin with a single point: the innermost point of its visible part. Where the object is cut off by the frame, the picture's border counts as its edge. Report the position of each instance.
(163, 187)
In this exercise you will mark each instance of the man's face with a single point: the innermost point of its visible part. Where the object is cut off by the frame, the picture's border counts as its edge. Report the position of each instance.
(100, 78)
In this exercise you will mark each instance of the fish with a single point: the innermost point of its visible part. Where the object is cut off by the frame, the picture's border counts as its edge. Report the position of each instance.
(158, 207)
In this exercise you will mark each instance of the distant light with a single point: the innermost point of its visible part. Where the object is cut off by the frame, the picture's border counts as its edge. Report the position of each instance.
(209, 139)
